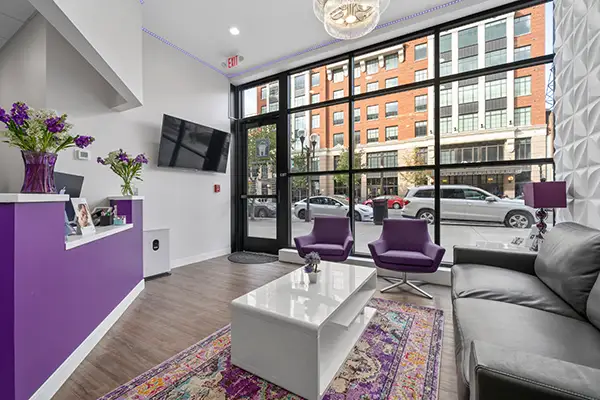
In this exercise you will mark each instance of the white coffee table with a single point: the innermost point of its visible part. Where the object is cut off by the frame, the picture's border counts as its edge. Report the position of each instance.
(297, 335)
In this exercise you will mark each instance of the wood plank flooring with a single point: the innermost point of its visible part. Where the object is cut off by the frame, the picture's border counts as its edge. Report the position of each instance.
(179, 310)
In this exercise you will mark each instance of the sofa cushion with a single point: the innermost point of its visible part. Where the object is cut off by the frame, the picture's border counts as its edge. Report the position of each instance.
(406, 258)
(325, 249)
(524, 329)
(499, 284)
(569, 262)
(593, 305)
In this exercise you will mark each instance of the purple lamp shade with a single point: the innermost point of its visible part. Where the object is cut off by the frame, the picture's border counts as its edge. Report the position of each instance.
(546, 194)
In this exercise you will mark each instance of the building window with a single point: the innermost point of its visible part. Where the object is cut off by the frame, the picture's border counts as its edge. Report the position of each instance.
(338, 118)
(357, 71)
(392, 82)
(391, 61)
(386, 159)
(315, 98)
(467, 37)
(420, 128)
(372, 66)
(263, 93)
(495, 89)
(421, 103)
(372, 112)
(338, 94)
(467, 154)
(316, 121)
(338, 75)
(315, 163)
(445, 43)
(274, 107)
(299, 122)
(422, 156)
(495, 119)
(420, 51)
(391, 109)
(467, 122)
(299, 101)
(523, 116)
(263, 109)
(467, 64)
(357, 89)
(338, 139)
(372, 135)
(391, 133)
(421, 75)
(336, 162)
(299, 84)
(523, 25)
(446, 68)
(373, 86)
(467, 94)
(315, 79)
(356, 137)
(523, 86)
(357, 115)
(446, 125)
(495, 58)
(522, 53)
(445, 97)
(495, 30)
(523, 149)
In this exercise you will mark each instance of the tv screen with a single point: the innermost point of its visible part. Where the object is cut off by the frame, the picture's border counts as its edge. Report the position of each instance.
(184, 144)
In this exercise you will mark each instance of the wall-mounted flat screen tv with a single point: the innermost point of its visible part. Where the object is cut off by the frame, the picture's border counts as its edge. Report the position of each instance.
(184, 144)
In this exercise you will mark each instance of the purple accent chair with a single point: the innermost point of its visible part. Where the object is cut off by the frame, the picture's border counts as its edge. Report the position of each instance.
(405, 246)
(331, 238)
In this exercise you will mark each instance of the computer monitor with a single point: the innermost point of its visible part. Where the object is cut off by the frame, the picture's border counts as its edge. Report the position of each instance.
(72, 185)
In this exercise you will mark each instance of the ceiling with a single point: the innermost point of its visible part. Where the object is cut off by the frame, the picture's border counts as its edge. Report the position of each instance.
(276, 29)
(13, 14)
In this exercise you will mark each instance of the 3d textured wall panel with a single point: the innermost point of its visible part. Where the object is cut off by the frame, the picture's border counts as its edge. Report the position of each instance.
(577, 108)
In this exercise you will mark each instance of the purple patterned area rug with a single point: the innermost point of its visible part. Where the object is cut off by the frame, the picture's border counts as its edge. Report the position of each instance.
(397, 357)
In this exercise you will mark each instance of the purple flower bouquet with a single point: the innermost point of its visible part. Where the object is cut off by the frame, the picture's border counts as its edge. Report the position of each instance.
(40, 134)
(126, 167)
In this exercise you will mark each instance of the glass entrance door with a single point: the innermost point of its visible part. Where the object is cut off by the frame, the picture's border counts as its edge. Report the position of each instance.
(260, 197)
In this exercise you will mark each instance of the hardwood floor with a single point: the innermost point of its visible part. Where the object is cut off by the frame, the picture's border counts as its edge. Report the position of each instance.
(179, 310)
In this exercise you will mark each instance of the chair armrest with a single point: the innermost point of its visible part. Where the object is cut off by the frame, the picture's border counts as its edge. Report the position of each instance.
(349, 242)
(435, 252)
(514, 260)
(498, 373)
(302, 241)
(378, 247)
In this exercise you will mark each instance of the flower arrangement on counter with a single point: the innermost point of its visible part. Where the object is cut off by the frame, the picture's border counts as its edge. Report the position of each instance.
(312, 261)
(126, 167)
(41, 135)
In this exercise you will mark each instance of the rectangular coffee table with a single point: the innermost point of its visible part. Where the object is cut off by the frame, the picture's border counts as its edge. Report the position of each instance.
(297, 335)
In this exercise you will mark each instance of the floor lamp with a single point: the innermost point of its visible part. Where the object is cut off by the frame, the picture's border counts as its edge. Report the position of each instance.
(544, 195)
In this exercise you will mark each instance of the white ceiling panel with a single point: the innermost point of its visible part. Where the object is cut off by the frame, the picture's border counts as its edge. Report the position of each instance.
(13, 13)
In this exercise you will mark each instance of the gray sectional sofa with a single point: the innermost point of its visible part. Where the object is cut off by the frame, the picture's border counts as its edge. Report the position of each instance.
(527, 325)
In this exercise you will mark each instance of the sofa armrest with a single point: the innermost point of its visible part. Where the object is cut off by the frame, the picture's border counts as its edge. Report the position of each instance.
(498, 373)
(514, 260)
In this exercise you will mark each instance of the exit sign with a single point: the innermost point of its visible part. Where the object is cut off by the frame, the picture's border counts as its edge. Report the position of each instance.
(233, 62)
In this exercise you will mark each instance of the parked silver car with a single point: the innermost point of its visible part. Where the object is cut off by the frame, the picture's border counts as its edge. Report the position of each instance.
(332, 206)
(467, 203)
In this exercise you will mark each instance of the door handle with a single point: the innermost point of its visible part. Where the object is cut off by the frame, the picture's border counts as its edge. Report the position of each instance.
(244, 197)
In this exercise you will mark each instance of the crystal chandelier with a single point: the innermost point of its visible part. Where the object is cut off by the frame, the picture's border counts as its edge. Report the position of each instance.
(349, 19)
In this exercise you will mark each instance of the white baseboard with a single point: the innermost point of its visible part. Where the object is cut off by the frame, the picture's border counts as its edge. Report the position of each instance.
(440, 277)
(182, 262)
(60, 376)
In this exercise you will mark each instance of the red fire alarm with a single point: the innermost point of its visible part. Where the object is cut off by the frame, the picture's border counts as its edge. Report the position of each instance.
(217, 188)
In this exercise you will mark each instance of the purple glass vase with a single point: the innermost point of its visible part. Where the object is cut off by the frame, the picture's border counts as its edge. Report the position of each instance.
(39, 172)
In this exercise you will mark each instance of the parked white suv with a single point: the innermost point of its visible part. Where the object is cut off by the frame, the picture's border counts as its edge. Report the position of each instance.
(467, 203)
(332, 206)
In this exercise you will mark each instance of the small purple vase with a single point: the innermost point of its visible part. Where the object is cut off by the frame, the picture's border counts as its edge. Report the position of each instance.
(39, 172)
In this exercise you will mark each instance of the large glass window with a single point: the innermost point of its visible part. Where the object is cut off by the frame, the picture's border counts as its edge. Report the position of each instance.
(523, 86)
(467, 64)
(315, 79)
(372, 112)
(338, 75)
(446, 125)
(316, 121)
(467, 37)
(338, 139)
(391, 109)
(495, 30)
(338, 118)
(522, 53)
(446, 97)
(495, 89)
(495, 119)
(357, 115)
(392, 82)
(421, 51)
(523, 116)
(372, 66)
(338, 94)
(421, 75)
(467, 122)
(391, 61)
(372, 135)
(523, 25)
(496, 57)
(420, 128)
(315, 98)
(468, 94)
(372, 86)
(421, 103)
(260, 99)
(445, 43)
(446, 68)
(391, 133)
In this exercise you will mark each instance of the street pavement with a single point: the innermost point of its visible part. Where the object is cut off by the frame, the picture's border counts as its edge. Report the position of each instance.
(452, 233)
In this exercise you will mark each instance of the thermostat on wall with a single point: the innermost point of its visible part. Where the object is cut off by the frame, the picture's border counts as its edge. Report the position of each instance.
(84, 155)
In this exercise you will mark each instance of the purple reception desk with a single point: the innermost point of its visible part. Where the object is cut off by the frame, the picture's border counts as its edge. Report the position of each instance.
(54, 295)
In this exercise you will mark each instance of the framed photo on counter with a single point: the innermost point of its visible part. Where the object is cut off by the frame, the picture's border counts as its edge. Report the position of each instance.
(83, 217)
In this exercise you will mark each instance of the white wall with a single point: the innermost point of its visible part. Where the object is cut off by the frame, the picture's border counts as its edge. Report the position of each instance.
(578, 108)
(173, 84)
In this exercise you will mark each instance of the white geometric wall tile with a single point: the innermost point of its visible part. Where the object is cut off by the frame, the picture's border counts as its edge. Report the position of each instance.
(577, 109)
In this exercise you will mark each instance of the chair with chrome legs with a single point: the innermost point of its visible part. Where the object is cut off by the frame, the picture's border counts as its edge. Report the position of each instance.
(405, 246)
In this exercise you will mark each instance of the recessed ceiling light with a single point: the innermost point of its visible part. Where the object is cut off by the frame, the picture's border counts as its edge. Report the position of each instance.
(234, 31)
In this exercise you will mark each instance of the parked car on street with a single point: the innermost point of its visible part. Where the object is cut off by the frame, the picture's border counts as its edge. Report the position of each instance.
(467, 203)
(332, 206)
(395, 202)
(263, 209)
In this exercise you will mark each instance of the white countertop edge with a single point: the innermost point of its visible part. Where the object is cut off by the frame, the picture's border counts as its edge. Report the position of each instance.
(33, 198)
(126, 198)
(101, 232)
